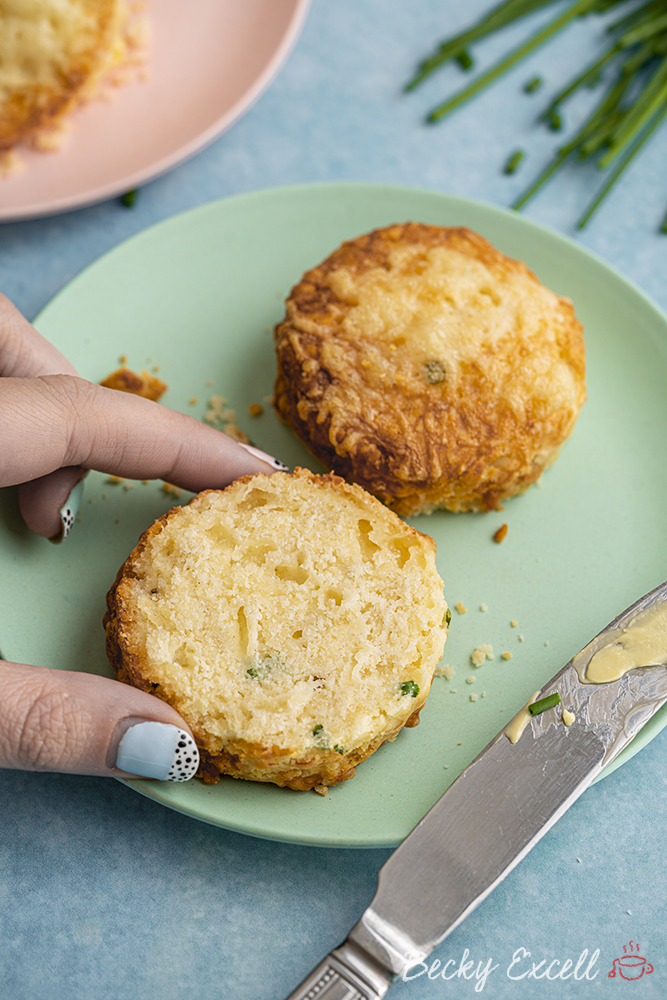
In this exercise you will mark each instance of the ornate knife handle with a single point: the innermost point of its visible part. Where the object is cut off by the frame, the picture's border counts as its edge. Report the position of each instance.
(347, 973)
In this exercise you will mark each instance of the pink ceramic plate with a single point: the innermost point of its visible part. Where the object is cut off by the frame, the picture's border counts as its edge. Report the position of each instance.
(209, 62)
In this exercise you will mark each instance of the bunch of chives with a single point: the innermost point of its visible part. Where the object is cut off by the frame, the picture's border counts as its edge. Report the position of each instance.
(632, 107)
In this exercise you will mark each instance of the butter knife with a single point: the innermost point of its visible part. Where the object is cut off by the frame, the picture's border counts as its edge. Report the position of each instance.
(500, 806)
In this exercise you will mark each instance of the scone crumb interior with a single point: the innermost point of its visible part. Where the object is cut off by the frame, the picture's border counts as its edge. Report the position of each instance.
(294, 621)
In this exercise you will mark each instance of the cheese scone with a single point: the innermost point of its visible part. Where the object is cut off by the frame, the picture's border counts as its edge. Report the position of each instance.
(293, 621)
(54, 55)
(422, 363)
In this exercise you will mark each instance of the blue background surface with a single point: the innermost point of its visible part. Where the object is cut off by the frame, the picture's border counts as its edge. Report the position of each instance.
(105, 895)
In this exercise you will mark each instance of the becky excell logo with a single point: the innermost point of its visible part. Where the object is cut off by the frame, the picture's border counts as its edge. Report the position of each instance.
(632, 965)
(523, 965)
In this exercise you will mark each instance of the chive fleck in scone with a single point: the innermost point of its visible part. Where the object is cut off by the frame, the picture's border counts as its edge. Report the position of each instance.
(422, 363)
(292, 620)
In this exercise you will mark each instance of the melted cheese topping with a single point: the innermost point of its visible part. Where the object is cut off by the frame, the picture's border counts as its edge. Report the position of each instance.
(642, 644)
(40, 39)
(438, 306)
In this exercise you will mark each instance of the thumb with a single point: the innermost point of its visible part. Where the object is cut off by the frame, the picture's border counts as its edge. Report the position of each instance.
(62, 720)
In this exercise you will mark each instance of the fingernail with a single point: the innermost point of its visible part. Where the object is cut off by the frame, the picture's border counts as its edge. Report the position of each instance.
(158, 750)
(68, 513)
(263, 457)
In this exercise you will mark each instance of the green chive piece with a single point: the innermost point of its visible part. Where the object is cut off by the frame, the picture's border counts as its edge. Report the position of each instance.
(339, 749)
(318, 729)
(500, 16)
(251, 672)
(555, 121)
(128, 199)
(544, 703)
(435, 372)
(464, 59)
(514, 161)
(577, 9)
(533, 85)
(410, 687)
(448, 614)
(663, 227)
(622, 166)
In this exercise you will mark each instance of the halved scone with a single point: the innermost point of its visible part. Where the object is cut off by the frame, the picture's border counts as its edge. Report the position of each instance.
(292, 620)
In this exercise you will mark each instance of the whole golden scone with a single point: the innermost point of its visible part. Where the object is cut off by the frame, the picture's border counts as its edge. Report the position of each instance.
(422, 363)
(292, 620)
(53, 55)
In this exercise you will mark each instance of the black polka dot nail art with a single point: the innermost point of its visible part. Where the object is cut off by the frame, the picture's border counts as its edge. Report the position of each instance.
(186, 759)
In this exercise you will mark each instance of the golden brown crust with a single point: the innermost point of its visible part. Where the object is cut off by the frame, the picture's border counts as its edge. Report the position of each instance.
(238, 758)
(360, 405)
(41, 104)
(145, 384)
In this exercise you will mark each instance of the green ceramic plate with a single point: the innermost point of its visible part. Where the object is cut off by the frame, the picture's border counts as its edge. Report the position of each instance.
(198, 295)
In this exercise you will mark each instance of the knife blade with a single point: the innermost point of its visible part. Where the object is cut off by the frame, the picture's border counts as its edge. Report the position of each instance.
(493, 814)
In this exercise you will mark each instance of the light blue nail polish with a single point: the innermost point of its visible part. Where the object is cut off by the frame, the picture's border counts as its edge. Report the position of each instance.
(68, 512)
(158, 750)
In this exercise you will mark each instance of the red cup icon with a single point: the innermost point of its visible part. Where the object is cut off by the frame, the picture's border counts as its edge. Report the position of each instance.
(630, 967)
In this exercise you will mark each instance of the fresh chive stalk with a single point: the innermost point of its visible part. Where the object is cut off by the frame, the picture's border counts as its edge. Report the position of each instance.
(622, 166)
(533, 85)
(633, 71)
(576, 10)
(544, 703)
(500, 16)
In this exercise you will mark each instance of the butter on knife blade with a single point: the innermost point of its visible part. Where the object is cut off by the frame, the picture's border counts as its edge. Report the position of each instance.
(502, 804)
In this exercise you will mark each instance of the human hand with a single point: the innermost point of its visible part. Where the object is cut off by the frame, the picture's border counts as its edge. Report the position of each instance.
(56, 426)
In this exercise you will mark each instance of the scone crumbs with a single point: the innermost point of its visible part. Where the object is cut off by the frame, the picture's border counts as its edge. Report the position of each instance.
(115, 480)
(461, 608)
(481, 653)
(520, 637)
(171, 490)
(483, 694)
(452, 690)
(514, 623)
(500, 533)
(123, 359)
(255, 410)
(470, 680)
(193, 401)
(446, 671)
(483, 607)
(507, 656)
(321, 789)
(460, 743)
(473, 697)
